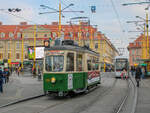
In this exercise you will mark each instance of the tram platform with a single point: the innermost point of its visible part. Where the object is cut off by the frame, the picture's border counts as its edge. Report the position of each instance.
(20, 87)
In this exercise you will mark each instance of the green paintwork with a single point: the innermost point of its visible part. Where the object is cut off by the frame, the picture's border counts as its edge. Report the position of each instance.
(61, 84)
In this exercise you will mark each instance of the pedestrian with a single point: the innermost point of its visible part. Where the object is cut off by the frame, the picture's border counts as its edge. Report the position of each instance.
(132, 70)
(4, 75)
(143, 72)
(7, 75)
(18, 71)
(138, 74)
(1, 80)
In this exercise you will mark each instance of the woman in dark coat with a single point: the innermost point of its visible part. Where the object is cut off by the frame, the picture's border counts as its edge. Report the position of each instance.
(138, 74)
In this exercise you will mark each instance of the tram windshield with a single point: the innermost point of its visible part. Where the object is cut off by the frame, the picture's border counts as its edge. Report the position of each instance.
(54, 63)
(121, 64)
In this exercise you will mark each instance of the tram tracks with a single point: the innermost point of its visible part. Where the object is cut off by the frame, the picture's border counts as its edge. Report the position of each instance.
(96, 96)
(122, 103)
(21, 100)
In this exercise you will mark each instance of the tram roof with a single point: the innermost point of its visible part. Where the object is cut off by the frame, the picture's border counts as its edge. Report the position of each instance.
(72, 48)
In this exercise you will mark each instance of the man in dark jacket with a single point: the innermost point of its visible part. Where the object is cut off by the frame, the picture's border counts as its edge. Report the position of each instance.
(138, 74)
(1, 80)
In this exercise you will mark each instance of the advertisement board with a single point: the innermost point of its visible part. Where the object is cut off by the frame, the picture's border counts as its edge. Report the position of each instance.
(39, 52)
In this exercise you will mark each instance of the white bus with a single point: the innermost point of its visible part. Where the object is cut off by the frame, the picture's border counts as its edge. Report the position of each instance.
(121, 63)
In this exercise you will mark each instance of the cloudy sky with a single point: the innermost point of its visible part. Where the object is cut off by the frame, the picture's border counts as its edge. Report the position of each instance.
(111, 16)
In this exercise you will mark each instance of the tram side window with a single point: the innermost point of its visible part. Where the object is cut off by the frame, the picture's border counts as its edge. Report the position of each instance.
(95, 64)
(89, 63)
(70, 62)
(79, 62)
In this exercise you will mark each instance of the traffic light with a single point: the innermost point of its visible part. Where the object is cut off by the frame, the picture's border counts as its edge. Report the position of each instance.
(46, 43)
(14, 10)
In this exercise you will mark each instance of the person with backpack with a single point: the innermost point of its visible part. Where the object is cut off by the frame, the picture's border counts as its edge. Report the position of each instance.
(138, 74)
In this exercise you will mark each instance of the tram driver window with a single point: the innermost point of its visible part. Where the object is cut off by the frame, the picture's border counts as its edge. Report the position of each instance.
(48, 63)
(70, 62)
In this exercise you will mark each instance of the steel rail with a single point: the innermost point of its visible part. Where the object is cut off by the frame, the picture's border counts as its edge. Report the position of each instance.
(21, 100)
(122, 103)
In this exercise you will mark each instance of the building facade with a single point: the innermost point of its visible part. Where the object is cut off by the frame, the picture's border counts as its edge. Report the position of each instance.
(15, 40)
(136, 51)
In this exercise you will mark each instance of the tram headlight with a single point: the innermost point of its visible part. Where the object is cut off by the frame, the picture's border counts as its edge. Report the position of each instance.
(53, 80)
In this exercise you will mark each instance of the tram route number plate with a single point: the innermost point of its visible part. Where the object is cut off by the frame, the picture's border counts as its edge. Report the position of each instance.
(70, 81)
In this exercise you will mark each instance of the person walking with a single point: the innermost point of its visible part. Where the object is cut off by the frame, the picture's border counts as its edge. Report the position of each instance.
(143, 72)
(138, 74)
(1, 80)
(4, 75)
(18, 71)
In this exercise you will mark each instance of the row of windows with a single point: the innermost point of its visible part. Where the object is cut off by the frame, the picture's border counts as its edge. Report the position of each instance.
(92, 63)
(54, 34)
(18, 45)
(18, 56)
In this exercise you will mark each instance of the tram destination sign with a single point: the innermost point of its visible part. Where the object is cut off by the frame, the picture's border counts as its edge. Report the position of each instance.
(54, 52)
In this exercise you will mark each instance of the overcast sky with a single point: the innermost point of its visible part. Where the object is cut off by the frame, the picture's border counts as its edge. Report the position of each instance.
(110, 16)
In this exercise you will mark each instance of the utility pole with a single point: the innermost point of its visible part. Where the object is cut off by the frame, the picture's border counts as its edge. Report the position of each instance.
(60, 11)
(147, 35)
(59, 20)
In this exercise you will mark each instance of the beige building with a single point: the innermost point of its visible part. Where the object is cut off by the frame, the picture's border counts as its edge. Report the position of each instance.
(15, 39)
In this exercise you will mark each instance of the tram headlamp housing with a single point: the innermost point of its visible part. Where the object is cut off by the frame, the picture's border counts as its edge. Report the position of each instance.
(53, 80)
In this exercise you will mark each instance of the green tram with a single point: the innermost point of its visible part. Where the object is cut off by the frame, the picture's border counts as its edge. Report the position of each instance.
(70, 69)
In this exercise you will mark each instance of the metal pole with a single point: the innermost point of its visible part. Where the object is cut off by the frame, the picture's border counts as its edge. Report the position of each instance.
(79, 33)
(147, 36)
(59, 34)
(34, 59)
(144, 45)
(22, 55)
(91, 40)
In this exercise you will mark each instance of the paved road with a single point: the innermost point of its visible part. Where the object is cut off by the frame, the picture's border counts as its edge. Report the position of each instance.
(94, 102)
(19, 88)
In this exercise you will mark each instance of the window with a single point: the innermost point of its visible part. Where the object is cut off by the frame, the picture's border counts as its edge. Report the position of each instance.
(96, 64)
(79, 62)
(96, 45)
(17, 45)
(89, 63)
(2, 35)
(18, 35)
(70, 62)
(9, 56)
(17, 56)
(11, 34)
(87, 34)
(70, 34)
(54, 63)
(25, 45)
(26, 55)
(54, 34)
(9, 46)
(1, 55)
(45, 35)
(1, 44)
(36, 35)
(133, 52)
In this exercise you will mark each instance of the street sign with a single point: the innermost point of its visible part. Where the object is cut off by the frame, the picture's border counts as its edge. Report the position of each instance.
(93, 9)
